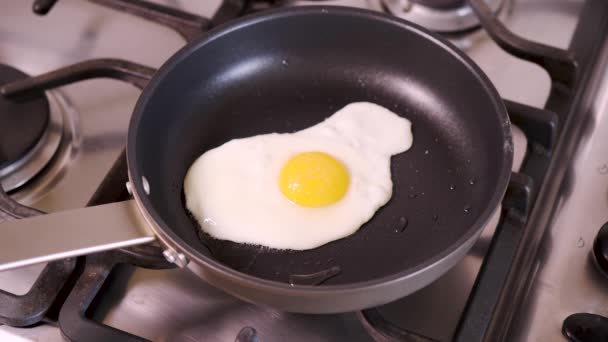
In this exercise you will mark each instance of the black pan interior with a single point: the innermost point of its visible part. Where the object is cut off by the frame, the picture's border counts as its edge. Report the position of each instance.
(289, 71)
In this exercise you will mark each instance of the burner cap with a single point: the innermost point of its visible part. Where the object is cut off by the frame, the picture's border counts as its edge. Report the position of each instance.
(22, 122)
(441, 4)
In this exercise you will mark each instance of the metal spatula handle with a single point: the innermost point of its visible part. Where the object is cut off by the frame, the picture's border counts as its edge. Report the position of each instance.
(71, 233)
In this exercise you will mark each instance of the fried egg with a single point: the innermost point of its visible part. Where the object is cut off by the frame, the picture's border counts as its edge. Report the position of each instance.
(299, 190)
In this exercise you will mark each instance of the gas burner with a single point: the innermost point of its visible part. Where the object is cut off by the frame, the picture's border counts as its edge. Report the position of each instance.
(30, 133)
(443, 16)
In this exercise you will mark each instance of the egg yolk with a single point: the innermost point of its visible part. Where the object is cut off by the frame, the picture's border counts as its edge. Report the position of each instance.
(314, 179)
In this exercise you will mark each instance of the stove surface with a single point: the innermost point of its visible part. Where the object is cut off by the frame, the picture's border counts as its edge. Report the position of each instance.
(173, 305)
(567, 280)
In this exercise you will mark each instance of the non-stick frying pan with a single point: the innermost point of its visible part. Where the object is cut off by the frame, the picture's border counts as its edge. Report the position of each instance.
(283, 71)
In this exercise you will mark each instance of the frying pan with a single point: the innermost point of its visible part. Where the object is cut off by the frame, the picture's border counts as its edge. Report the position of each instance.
(282, 71)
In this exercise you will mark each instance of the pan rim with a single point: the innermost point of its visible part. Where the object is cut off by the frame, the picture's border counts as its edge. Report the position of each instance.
(167, 236)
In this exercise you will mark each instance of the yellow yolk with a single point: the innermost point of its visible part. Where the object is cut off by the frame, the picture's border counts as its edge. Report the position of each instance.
(314, 179)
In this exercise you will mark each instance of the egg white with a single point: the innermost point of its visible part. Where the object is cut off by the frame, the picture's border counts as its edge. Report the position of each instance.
(233, 191)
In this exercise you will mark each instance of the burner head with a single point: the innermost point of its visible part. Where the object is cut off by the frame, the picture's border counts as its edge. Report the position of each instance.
(441, 4)
(22, 122)
(443, 16)
(30, 133)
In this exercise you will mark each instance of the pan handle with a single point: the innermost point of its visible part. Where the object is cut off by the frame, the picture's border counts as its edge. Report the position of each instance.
(71, 233)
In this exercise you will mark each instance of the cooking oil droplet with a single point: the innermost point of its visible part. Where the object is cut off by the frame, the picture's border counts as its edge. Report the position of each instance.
(422, 193)
(436, 140)
(452, 187)
(468, 161)
(324, 11)
(417, 171)
(467, 208)
(401, 225)
(435, 218)
(411, 187)
(472, 181)
(412, 196)
(316, 278)
(285, 62)
(426, 152)
(580, 243)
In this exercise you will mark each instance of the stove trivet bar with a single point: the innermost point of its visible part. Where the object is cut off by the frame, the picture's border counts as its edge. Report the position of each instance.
(74, 324)
(188, 25)
(560, 64)
(133, 73)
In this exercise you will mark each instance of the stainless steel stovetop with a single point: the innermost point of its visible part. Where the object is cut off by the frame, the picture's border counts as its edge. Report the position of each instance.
(173, 305)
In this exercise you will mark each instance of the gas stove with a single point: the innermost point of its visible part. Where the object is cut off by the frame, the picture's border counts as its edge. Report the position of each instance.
(532, 268)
